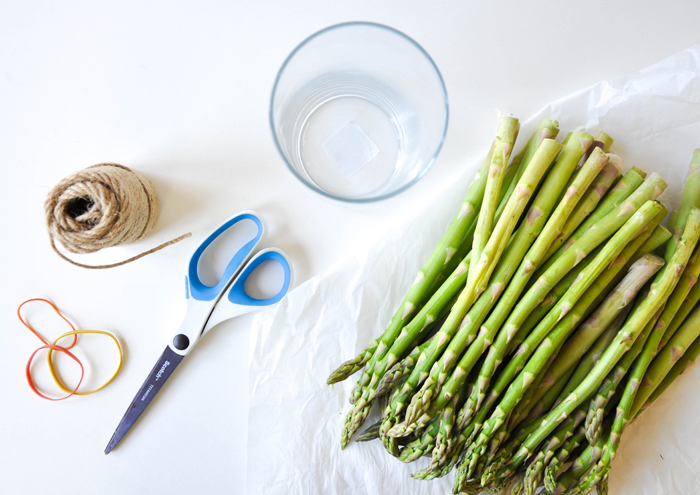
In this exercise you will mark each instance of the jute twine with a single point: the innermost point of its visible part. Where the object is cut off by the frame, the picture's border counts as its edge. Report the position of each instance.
(102, 206)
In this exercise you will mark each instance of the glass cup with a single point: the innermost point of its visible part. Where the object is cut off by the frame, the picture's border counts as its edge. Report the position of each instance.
(359, 112)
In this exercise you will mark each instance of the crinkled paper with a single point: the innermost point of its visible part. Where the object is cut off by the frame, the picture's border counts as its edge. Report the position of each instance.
(295, 419)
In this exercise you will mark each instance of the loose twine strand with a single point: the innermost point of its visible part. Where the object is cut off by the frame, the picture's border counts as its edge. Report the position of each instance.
(102, 206)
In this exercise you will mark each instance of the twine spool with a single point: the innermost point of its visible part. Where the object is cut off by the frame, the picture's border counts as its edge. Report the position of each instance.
(102, 206)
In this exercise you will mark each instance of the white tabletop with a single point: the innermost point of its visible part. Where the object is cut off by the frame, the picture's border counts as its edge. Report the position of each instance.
(180, 91)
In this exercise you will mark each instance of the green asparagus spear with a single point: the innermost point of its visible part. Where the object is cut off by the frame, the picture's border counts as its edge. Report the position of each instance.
(604, 138)
(590, 200)
(690, 199)
(686, 360)
(371, 433)
(585, 460)
(626, 407)
(506, 302)
(686, 307)
(491, 253)
(522, 240)
(559, 314)
(666, 359)
(571, 233)
(548, 129)
(584, 366)
(627, 282)
(535, 471)
(659, 293)
(637, 274)
(505, 139)
(556, 465)
(593, 237)
(422, 446)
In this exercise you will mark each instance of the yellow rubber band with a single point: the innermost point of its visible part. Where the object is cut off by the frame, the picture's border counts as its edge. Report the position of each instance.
(57, 379)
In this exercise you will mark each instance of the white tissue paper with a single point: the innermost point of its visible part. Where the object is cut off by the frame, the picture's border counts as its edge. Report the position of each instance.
(295, 419)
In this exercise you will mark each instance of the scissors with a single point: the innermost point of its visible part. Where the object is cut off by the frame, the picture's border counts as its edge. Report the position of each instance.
(208, 306)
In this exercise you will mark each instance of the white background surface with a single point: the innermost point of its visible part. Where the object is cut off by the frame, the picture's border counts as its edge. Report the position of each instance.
(180, 91)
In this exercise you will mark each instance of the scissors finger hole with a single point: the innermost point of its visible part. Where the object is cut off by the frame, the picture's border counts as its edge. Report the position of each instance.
(265, 281)
(217, 255)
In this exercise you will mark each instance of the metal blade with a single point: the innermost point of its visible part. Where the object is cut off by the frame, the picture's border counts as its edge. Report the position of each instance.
(160, 373)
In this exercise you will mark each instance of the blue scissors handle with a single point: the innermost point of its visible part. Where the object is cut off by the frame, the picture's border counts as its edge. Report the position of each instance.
(237, 293)
(199, 290)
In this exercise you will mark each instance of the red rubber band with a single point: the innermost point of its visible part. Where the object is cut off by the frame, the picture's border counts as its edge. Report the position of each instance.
(75, 337)
(59, 349)
(48, 345)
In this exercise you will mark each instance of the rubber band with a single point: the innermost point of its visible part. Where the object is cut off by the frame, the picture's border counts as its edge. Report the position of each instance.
(57, 378)
(19, 315)
(60, 349)
(55, 347)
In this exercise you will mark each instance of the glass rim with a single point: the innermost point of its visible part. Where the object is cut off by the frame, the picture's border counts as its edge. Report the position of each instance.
(435, 154)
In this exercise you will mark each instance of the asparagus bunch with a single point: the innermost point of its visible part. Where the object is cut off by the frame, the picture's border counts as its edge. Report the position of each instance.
(545, 269)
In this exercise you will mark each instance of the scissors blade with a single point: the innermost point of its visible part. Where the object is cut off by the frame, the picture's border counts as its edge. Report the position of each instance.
(160, 373)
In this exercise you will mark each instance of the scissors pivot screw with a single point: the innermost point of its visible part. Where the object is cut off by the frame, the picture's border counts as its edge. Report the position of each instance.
(181, 342)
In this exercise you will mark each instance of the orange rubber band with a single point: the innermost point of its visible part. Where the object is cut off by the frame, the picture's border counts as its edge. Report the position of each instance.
(60, 349)
(75, 340)
(55, 347)
(57, 378)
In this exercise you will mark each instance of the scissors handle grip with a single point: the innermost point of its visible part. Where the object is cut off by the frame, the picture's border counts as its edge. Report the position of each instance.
(199, 290)
(239, 302)
(237, 293)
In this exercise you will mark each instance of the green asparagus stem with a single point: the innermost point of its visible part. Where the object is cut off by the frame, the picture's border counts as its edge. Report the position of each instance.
(353, 365)
(690, 199)
(548, 303)
(651, 346)
(569, 480)
(428, 314)
(608, 388)
(584, 366)
(400, 369)
(590, 200)
(422, 446)
(666, 359)
(522, 240)
(535, 471)
(456, 280)
(548, 129)
(659, 237)
(689, 279)
(571, 233)
(444, 439)
(686, 360)
(513, 291)
(658, 294)
(522, 408)
(686, 307)
(468, 358)
(542, 405)
(637, 274)
(605, 139)
(626, 407)
(556, 465)
(625, 282)
(505, 139)
(371, 433)
(593, 237)
(489, 256)
(564, 321)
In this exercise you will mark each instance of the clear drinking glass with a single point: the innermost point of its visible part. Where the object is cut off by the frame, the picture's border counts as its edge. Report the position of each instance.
(359, 112)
